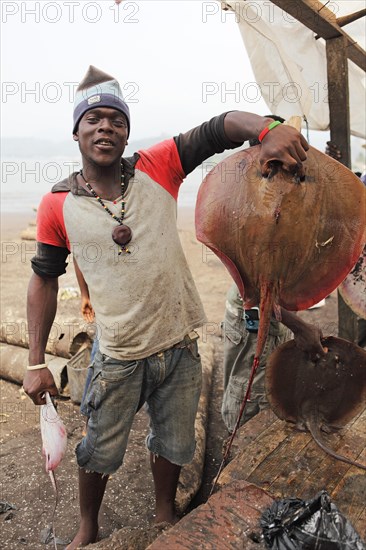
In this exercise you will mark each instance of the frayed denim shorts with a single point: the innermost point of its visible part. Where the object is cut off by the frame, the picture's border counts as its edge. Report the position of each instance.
(169, 383)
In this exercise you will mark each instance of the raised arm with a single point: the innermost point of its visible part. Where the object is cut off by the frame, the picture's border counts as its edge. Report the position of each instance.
(41, 311)
(229, 130)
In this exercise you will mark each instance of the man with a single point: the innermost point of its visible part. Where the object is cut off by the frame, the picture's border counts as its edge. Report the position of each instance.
(145, 301)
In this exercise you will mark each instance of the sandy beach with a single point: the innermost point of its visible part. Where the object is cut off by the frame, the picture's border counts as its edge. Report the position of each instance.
(129, 501)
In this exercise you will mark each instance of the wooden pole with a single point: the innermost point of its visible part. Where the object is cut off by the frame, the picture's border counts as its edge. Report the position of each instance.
(321, 20)
(346, 19)
(338, 98)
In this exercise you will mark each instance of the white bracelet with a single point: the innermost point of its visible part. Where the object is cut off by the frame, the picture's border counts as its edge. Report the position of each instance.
(36, 367)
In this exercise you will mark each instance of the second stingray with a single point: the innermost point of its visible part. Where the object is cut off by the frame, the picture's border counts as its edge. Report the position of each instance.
(318, 396)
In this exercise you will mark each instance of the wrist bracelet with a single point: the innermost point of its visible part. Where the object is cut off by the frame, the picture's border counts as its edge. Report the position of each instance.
(36, 367)
(266, 130)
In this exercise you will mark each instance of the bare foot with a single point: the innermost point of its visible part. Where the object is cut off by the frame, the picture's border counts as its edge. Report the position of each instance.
(83, 537)
(169, 518)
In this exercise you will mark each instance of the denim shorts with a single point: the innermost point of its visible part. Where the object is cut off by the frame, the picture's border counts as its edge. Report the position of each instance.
(169, 383)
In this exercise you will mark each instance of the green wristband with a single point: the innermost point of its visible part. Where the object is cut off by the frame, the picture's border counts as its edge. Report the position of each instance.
(267, 129)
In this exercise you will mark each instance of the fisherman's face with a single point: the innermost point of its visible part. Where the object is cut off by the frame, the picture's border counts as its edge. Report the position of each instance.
(102, 135)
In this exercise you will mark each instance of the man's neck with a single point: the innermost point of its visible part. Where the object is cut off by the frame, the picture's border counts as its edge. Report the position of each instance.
(105, 180)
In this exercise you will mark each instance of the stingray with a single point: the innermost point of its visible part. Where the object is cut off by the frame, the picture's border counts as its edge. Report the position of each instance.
(320, 396)
(285, 242)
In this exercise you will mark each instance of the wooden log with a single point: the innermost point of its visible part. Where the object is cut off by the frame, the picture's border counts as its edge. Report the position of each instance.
(229, 519)
(286, 462)
(14, 361)
(65, 338)
(28, 234)
(347, 19)
(252, 455)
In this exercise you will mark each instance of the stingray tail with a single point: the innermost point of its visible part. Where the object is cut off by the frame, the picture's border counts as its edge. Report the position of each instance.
(317, 436)
(265, 313)
(267, 293)
(266, 307)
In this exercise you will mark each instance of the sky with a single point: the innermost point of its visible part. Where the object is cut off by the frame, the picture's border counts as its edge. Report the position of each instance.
(176, 61)
(169, 58)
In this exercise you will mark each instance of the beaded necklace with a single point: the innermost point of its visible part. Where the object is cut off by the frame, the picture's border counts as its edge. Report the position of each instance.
(121, 234)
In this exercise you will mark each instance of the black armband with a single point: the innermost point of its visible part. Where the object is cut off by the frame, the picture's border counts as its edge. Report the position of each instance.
(49, 261)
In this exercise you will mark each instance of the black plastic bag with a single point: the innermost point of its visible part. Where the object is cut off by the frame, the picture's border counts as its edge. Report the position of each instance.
(294, 524)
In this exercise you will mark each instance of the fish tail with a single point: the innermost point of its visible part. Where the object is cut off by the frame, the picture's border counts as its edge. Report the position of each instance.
(267, 300)
(51, 473)
(317, 436)
(266, 308)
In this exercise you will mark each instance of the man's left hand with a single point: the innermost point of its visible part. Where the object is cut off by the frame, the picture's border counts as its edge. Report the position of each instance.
(286, 145)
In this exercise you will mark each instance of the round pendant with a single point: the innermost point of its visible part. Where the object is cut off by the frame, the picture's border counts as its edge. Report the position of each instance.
(122, 234)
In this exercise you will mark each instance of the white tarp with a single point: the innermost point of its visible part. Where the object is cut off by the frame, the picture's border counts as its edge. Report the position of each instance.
(290, 65)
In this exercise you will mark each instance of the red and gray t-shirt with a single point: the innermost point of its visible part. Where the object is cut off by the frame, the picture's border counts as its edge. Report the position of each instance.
(145, 301)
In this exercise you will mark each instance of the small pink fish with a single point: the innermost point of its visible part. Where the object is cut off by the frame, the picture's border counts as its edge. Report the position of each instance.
(54, 437)
(54, 443)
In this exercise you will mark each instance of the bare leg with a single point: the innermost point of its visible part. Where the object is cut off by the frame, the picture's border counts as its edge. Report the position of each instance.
(91, 492)
(166, 477)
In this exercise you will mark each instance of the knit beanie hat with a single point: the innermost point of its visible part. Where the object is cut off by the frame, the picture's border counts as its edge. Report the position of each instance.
(98, 89)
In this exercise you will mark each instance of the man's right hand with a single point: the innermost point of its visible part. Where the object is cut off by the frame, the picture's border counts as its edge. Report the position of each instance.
(87, 310)
(37, 382)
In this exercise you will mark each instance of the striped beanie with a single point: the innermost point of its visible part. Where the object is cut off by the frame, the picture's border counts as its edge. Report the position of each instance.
(98, 89)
